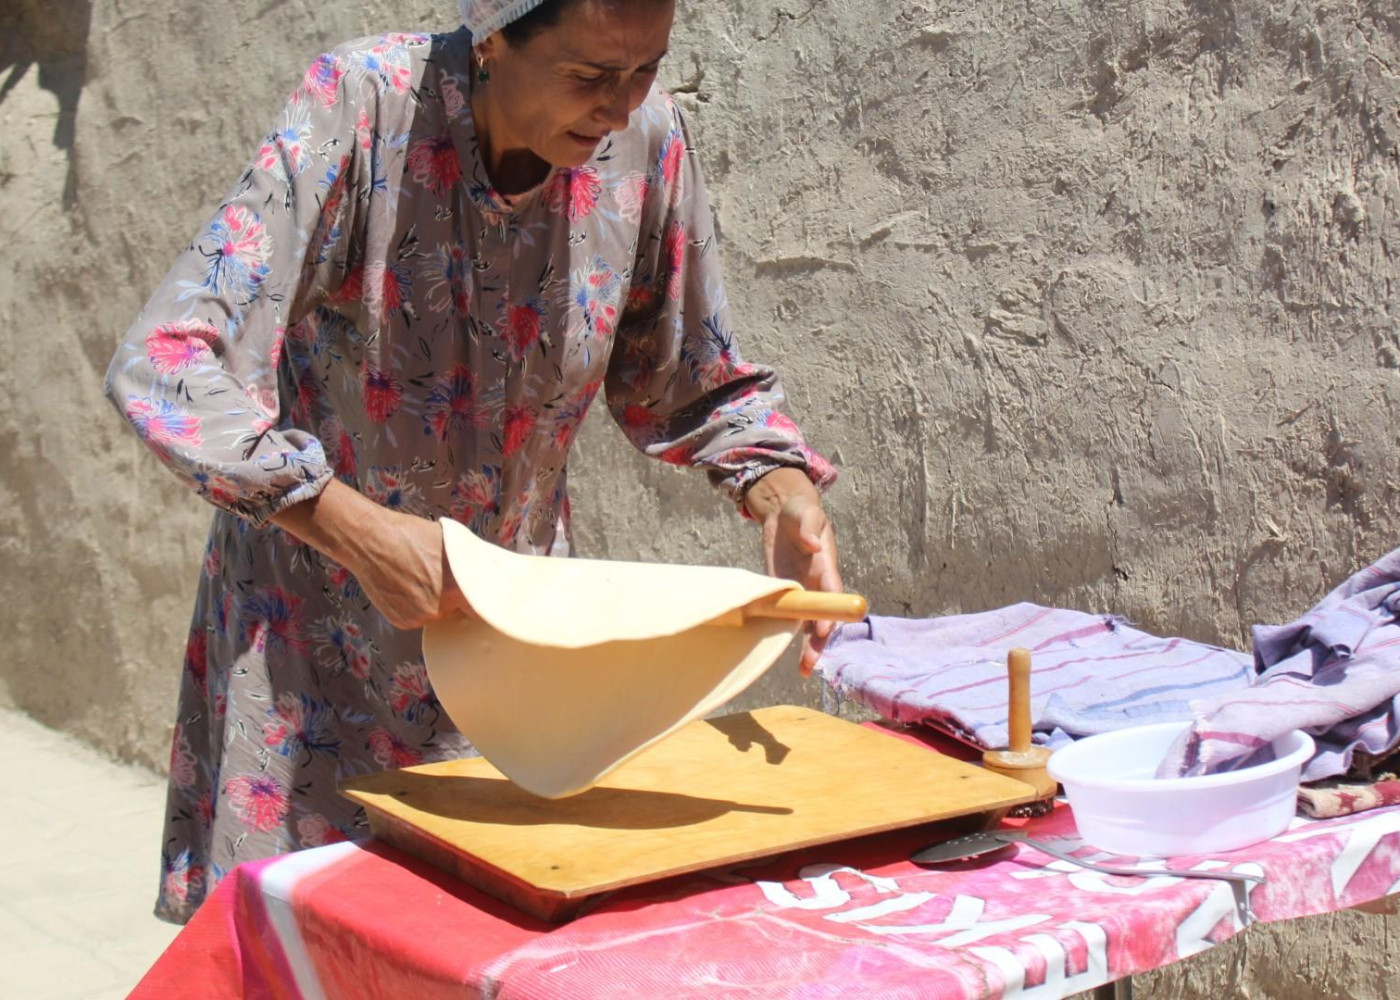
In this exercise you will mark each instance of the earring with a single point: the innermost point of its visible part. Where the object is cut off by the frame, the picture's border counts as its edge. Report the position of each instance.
(482, 73)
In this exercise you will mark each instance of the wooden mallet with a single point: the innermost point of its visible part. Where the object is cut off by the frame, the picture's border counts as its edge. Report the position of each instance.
(1021, 760)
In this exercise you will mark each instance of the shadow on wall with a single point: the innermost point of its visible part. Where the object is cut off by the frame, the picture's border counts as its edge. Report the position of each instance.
(53, 35)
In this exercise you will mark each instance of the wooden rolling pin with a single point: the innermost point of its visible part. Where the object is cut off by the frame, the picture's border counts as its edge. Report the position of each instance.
(800, 605)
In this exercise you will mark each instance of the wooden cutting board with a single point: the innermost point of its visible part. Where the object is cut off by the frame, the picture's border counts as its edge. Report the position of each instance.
(715, 792)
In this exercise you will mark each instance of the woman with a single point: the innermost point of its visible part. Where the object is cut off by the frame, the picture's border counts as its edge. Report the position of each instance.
(445, 250)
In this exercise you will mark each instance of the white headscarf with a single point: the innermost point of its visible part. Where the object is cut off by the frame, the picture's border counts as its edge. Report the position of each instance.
(486, 17)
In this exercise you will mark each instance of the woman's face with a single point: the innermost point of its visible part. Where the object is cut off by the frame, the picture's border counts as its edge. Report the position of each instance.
(562, 91)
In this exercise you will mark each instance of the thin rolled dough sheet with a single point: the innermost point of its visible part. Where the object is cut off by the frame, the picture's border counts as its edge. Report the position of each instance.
(574, 666)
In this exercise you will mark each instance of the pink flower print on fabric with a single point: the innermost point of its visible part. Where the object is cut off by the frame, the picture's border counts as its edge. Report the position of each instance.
(675, 260)
(391, 751)
(258, 800)
(224, 613)
(364, 131)
(184, 768)
(822, 470)
(669, 167)
(322, 80)
(573, 192)
(182, 877)
(174, 347)
(340, 448)
(631, 195)
(343, 582)
(711, 357)
(434, 164)
(381, 287)
(492, 205)
(213, 561)
(204, 805)
(389, 60)
(285, 154)
(640, 298)
(329, 230)
(672, 155)
(634, 369)
(520, 325)
(382, 392)
(569, 414)
(163, 424)
(341, 647)
(270, 622)
(453, 102)
(279, 344)
(317, 831)
(404, 40)
(308, 397)
(642, 424)
(410, 695)
(779, 422)
(301, 726)
(449, 270)
(265, 403)
(197, 660)
(511, 525)
(237, 252)
(387, 486)
(476, 497)
(451, 408)
(519, 424)
(220, 489)
(523, 511)
(737, 403)
(595, 294)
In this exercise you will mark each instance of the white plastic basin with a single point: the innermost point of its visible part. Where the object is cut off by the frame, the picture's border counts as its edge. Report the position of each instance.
(1120, 806)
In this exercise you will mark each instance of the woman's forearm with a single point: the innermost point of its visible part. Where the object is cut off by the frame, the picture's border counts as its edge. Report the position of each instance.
(767, 496)
(398, 558)
(340, 523)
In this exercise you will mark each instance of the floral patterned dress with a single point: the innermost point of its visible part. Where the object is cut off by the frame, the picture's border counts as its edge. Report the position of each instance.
(365, 306)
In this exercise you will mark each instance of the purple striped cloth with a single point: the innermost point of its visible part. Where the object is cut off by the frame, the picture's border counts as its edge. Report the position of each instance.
(1089, 673)
(1335, 672)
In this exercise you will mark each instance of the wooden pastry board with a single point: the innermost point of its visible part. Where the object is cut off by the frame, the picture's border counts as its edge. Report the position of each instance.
(716, 792)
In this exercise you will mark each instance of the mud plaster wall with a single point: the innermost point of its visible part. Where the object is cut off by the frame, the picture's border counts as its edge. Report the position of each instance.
(1091, 302)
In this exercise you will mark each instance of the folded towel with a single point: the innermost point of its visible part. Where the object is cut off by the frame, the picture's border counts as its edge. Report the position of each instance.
(1340, 798)
(1335, 672)
(1089, 673)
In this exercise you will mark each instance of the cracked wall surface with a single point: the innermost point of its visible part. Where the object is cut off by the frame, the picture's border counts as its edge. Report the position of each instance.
(1091, 302)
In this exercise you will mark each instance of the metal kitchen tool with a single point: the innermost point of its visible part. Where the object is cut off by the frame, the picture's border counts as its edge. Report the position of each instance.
(974, 845)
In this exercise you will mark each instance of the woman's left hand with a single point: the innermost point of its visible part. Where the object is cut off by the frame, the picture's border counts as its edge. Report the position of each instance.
(798, 544)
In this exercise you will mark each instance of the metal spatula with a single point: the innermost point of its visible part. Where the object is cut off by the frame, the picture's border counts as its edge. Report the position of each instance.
(974, 845)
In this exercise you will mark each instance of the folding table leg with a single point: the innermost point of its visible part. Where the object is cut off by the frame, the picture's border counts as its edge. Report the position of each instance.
(1121, 989)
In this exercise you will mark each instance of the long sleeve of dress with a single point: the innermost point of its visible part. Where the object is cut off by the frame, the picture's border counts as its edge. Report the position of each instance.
(197, 374)
(677, 385)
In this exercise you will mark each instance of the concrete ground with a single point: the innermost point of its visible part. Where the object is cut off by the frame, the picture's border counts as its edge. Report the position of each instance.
(79, 861)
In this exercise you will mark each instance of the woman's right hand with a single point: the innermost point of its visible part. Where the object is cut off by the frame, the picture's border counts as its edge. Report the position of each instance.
(406, 574)
(398, 559)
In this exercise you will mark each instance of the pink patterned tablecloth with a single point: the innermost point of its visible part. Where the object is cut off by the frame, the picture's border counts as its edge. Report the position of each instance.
(854, 919)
